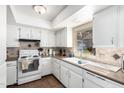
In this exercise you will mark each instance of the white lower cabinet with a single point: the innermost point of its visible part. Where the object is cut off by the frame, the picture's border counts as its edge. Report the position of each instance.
(75, 80)
(46, 66)
(92, 80)
(3, 75)
(11, 72)
(72, 76)
(64, 76)
(90, 84)
(56, 70)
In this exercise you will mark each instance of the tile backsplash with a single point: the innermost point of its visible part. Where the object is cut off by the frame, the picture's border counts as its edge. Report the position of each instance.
(105, 55)
(12, 53)
(29, 45)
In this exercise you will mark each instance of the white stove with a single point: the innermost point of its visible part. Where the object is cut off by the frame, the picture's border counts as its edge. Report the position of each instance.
(28, 66)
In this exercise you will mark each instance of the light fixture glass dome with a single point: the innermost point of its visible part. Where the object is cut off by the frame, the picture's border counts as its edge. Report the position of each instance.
(40, 9)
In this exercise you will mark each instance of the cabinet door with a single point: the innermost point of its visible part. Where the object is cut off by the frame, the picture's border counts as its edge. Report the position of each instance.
(11, 75)
(12, 36)
(44, 39)
(90, 84)
(51, 39)
(56, 70)
(24, 33)
(46, 68)
(35, 34)
(105, 27)
(64, 75)
(57, 39)
(121, 27)
(3, 75)
(63, 38)
(75, 80)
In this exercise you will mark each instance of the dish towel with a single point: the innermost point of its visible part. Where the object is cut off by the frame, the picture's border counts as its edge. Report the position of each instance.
(25, 64)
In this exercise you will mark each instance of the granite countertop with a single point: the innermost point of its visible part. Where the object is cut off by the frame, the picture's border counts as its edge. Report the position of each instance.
(115, 76)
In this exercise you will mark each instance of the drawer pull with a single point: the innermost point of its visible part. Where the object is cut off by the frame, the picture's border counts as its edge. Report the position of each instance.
(90, 74)
(95, 76)
(100, 78)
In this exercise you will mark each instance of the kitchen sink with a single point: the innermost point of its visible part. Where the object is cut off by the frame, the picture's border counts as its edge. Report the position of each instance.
(84, 62)
(76, 60)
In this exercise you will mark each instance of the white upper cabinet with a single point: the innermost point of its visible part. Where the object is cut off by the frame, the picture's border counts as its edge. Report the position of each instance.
(121, 27)
(12, 36)
(35, 34)
(24, 32)
(29, 33)
(105, 27)
(64, 38)
(3, 33)
(47, 38)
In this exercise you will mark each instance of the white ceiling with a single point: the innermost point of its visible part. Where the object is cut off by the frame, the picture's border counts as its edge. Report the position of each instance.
(52, 11)
(57, 16)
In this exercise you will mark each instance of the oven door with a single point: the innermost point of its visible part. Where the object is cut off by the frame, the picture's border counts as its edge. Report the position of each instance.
(33, 68)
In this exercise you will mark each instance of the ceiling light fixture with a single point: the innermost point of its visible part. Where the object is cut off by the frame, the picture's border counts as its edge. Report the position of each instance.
(40, 9)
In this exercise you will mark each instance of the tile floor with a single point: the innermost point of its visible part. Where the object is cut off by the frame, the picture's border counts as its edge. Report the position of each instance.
(45, 82)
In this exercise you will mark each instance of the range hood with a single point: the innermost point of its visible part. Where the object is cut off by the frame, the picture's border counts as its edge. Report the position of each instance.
(29, 40)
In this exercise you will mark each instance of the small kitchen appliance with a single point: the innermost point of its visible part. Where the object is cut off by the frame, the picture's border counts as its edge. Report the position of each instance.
(123, 63)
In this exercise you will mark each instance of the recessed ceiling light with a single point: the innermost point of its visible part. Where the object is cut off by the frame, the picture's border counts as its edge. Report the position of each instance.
(40, 9)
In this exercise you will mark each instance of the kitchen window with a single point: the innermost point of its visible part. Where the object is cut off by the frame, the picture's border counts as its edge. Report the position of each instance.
(83, 38)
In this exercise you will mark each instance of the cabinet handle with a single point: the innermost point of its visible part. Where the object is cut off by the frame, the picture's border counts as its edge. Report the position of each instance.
(96, 76)
(90, 74)
(100, 78)
(112, 41)
(82, 80)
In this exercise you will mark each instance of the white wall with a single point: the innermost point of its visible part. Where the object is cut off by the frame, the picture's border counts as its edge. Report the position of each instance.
(2, 33)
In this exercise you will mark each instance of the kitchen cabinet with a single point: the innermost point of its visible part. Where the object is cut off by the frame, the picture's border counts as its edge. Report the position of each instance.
(51, 39)
(46, 66)
(105, 27)
(3, 33)
(121, 27)
(11, 72)
(12, 36)
(29, 33)
(56, 69)
(64, 75)
(90, 84)
(92, 80)
(75, 80)
(64, 37)
(3, 75)
(24, 32)
(35, 34)
(69, 75)
(47, 39)
(58, 39)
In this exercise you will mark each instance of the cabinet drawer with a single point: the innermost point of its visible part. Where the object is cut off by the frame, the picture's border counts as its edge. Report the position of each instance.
(11, 63)
(75, 69)
(65, 64)
(56, 60)
(103, 82)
